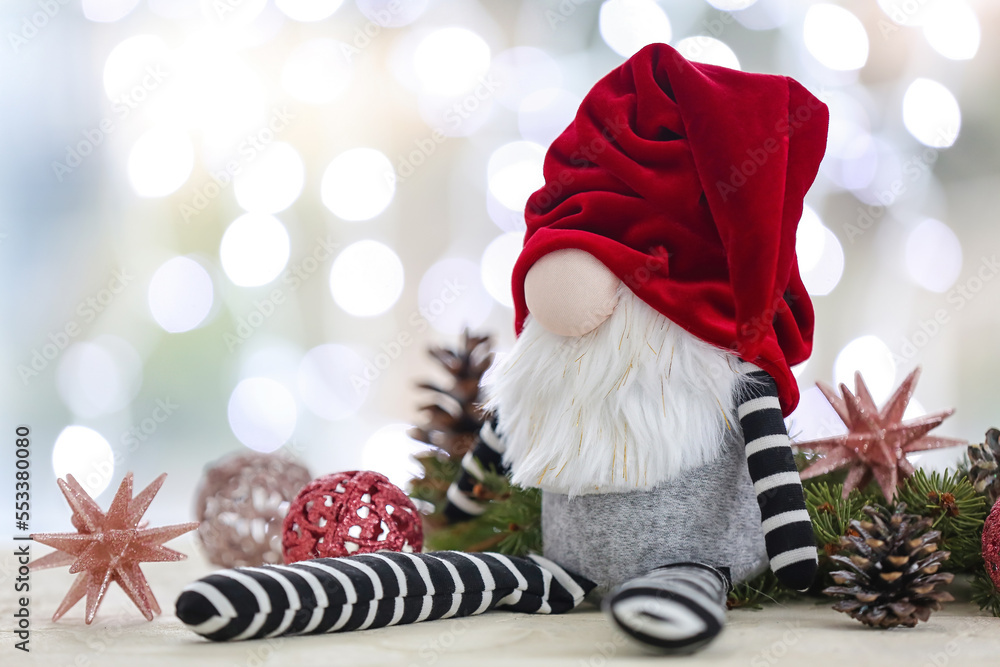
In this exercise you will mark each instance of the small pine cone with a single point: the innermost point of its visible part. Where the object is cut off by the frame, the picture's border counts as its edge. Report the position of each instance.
(892, 564)
(455, 416)
(984, 470)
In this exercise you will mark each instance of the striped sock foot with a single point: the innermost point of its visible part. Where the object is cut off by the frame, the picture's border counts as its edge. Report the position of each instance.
(674, 609)
(372, 591)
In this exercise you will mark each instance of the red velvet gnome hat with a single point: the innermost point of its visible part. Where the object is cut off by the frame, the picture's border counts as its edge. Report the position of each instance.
(686, 181)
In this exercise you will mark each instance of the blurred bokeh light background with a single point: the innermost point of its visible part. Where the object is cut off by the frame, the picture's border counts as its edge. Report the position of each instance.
(239, 223)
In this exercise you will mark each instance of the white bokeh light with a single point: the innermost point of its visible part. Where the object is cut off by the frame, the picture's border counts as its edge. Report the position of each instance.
(628, 25)
(731, 5)
(521, 71)
(161, 161)
(952, 29)
(708, 50)
(814, 417)
(262, 414)
(131, 61)
(366, 279)
(232, 13)
(906, 12)
(214, 90)
(308, 10)
(933, 256)
(96, 378)
(358, 184)
(835, 37)
(452, 296)
(544, 114)
(180, 295)
(498, 263)
(392, 13)
(108, 11)
(175, 9)
(272, 181)
(254, 249)
(276, 358)
(85, 454)
(333, 381)
(451, 61)
(514, 172)
(871, 356)
(809, 239)
(390, 451)
(821, 257)
(317, 71)
(764, 14)
(931, 113)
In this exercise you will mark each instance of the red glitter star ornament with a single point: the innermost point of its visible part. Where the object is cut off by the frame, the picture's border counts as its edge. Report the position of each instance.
(876, 442)
(109, 547)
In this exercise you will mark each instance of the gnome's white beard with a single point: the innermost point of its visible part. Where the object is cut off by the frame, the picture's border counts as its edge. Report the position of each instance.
(631, 404)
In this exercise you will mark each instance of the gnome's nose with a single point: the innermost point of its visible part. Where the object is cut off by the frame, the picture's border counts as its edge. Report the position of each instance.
(570, 292)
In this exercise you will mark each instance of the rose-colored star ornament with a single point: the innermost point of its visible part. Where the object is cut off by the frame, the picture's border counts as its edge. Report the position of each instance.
(877, 441)
(109, 547)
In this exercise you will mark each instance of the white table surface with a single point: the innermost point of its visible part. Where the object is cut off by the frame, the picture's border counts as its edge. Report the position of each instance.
(799, 633)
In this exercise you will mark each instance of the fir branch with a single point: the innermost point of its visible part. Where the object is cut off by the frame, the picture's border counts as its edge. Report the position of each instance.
(984, 593)
(951, 502)
(832, 514)
(754, 593)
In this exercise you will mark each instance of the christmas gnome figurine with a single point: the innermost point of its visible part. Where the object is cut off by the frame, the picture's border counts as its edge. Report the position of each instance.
(659, 308)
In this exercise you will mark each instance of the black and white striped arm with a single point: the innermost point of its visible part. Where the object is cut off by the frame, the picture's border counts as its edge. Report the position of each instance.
(486, 454)
(788, 531)
(372, 591)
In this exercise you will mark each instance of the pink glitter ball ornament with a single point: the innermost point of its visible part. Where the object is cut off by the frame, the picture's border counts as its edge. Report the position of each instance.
(355, 512)
(241, 504)
(991, 545)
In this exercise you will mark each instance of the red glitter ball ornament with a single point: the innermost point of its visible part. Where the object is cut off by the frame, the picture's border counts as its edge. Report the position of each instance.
(991, 544)
(355, 512)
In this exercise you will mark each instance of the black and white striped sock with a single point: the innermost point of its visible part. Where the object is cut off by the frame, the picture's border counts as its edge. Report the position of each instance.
(486, 454)
(675, 609)
(788, 531)
(372, 591)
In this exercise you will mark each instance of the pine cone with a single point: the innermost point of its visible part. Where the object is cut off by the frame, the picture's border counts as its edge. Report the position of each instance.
(984, 472)
(455, 417)
(892, 566)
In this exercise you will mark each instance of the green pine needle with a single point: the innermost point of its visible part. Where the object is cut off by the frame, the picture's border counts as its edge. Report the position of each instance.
(984, 593)
(754, 593)
(831, 513)
(957, 510)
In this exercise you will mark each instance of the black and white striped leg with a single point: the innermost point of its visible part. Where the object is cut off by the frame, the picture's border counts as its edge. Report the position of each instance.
(486, 454)
(674, 609)
(372, 591)
(788, 531)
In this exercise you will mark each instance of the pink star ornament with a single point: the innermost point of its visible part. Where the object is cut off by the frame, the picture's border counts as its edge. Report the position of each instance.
(877, 441)
(108, 547)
